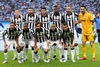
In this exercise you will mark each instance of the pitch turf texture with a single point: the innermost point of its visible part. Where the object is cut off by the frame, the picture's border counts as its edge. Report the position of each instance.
(55, 63)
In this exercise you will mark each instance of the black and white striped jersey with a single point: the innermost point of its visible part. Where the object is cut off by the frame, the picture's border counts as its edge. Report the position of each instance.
(57, 19)
(45, 20)
(31, 20)
(41, 35)
(70, 20)
(66, 36)
(18, 21)
(11, 34)
(54, 34)
(26, 34)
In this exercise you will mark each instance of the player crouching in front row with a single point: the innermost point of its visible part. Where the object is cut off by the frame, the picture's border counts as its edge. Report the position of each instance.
(12, 34)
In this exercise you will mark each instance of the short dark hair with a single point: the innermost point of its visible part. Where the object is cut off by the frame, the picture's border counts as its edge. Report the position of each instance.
(37, 23)
(12, 23)
(30, 8)
(44, 8)
(83, 6)
(26, 24)
(65, 24)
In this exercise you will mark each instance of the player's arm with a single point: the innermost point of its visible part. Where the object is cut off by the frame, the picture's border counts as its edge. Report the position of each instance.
(3, 36)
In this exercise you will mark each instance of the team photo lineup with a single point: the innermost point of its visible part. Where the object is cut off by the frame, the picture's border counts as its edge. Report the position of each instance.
(50, 31)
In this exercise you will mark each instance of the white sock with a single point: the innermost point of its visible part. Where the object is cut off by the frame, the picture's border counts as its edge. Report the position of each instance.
(77, 50)
(22, 54)
(26, 51)
(72, 54)
(68, 50)
(19, 56)
(54, 50)
(14, 51)
(60, 52)
(33, 54)
(49, 54)
(65, 53)
(6, 55)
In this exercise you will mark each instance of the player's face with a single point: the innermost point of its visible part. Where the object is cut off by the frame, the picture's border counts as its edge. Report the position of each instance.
(82, 10)
(65, 27)
(68, 9)
(12, 26)
(38, 26)
(30, 11)
(98, 15)
(55, 9)
(53, 27)
(25, 26)
(43, 11)
(17, 13)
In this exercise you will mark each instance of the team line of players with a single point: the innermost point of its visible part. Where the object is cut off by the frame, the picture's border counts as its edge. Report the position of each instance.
(42, 32)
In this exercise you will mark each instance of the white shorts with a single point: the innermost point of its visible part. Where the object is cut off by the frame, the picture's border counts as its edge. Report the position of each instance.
(10, 42)
(42, 45)
(24, 42)
(56, 42)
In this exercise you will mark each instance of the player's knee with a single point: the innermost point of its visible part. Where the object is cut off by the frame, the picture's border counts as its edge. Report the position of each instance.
(91, 43)
(5, 51)
(32, 48)
(54, 44)
(72, 48)
(26, 46)
(18, 50)
(76, 44)
(46, 52)
(65, 48)
(36, 52)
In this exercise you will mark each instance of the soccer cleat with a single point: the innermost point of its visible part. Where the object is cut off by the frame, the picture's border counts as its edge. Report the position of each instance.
(5, 61)
(48, 60)
(94, 59)
(73, 61)
(54, 57)
(14, 58)
(83, 58)
(61, 60)
(65, 60)
(19, 61)
(77, 57)
(33, 60)
(25, 59)
(44, 60)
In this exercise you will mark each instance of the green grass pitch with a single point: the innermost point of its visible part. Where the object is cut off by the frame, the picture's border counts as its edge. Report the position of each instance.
(55, 63)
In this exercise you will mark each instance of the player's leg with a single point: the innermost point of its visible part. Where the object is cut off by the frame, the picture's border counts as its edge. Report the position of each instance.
(72, 52)
(84, 39)
(14, 51)
(65, 52)
(6, 51)
(26, 50)
(76, 45)
(90, 38)
(45, 49)
(60, 46)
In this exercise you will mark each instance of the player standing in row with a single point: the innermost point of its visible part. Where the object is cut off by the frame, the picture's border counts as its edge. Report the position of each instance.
(70, 19)
(31, 19)
(56, 19)
(45, 18)
(85, 19)
(17, 19)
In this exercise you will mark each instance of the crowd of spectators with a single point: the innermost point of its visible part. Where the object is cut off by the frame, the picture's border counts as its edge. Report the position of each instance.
(7, 7)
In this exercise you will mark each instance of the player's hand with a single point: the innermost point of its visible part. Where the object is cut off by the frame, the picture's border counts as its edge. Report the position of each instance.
(5, 45)
(65, 45)
(48, 43)
(60, 43)
(94, 32)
